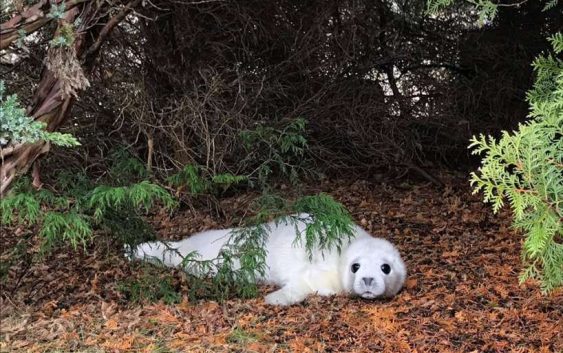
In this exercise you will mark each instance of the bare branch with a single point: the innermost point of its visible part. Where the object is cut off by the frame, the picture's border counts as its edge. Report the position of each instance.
(30, 20)
(114, 21)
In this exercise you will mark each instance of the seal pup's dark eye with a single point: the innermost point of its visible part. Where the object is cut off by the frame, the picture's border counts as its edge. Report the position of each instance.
(386, 269)
(355, 268)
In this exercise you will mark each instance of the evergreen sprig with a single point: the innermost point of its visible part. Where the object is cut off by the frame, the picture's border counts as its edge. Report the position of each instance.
(140, 195)
(280, 151)
(487, 10)
(192, 178)
(71, 228)
(126, 168)
(329, 224)
(62, 223)
(27, 206)
(16, 127)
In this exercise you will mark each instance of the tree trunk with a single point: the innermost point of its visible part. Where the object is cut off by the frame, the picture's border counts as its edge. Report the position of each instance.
(52, 103)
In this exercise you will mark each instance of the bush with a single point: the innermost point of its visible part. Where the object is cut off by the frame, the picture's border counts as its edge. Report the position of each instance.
(272, 151)
(525, 168)
(192, 179)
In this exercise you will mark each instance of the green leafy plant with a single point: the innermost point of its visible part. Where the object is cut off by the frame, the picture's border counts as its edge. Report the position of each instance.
(57, 11)
(26, 206)
(525, 168)
(193, 178)
(140, 196)
(485, 9)
(330, 223)
(16, 127)
(124, 168)
(69, 216)
(151, 287)
(65, 37)
(245, 249)
(190, 177)
(272, 151)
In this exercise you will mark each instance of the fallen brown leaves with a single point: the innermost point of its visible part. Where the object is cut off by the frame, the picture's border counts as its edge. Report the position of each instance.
(462, 294)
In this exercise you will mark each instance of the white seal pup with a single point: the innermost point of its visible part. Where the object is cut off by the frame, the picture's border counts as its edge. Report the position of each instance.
(367, 267)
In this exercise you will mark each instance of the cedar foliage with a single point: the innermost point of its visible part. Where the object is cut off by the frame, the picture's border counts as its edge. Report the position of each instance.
(16, 127)
(70, 215)
(525, 168)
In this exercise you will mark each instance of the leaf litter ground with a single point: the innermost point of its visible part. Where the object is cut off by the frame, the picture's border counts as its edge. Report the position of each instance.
(462, 292)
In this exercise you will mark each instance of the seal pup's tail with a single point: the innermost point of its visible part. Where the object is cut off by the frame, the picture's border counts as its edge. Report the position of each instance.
(171, 253)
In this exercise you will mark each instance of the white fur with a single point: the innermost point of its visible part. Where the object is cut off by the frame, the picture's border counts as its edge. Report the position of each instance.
(328, 273)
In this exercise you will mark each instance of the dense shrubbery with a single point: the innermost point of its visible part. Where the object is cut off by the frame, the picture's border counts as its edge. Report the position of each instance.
(353, 88)
(117, 204)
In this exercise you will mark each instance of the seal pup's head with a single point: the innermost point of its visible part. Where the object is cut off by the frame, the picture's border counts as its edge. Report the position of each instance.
(372, 268)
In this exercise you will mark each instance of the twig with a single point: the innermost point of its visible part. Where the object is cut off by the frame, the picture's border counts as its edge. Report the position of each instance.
(114, 21)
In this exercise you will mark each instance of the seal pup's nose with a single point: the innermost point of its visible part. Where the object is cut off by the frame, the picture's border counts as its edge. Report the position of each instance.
(367, 280)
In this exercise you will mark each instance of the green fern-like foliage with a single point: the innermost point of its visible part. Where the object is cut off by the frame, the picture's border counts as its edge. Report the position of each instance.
(193, 178)
(16, 127)
(69, 216)
(61, 224)
(242, 260)
(487, 10)
(125, 168)
(70, 228)
(190, 177)
(119, 202)
(224, 181)
(119, 208)
(276, 151)
(140, 196)
(434, 6)
(525, 168)
(27, 206)
(330, 224)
